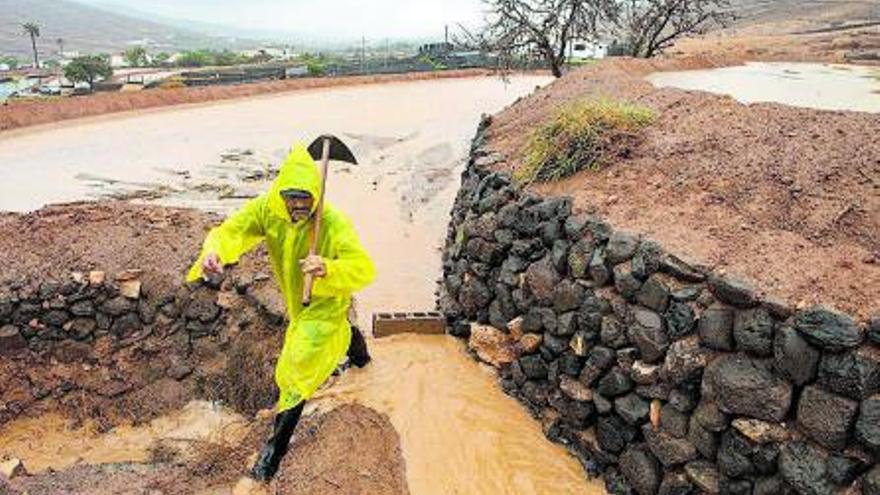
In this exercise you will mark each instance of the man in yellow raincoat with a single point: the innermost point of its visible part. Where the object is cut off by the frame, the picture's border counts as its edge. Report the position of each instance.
(319, 335)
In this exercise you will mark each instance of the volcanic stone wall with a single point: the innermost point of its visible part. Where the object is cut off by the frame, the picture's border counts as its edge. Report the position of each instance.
(662, 376)
(100, 335)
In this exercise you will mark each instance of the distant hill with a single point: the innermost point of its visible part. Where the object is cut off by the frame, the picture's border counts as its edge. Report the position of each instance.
(87, 29)
(771, 16)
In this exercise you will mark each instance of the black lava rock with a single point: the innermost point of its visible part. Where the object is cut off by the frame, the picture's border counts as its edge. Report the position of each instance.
(621, 247)
(648, 333)
(793, 358)
(632, 408)
(625, 282)
(673, 421)
(599, 360)
(868, 424)
(827, 329)
(676, 483)
(803, 467)
(613, 434)
(733, 291)
(746, 386)
(825, 417)
(680, 320)
(533, 367)
(654, 294)
(716, 327)
(641, 470)
(753, 331)
(613, 333)
(854, 374)
(669, 450)
(615, 383)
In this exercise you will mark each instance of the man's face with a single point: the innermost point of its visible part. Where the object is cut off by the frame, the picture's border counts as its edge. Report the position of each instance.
(298, 208)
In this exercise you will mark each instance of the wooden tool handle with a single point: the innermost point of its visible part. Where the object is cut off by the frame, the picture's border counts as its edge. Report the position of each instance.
(316, 226)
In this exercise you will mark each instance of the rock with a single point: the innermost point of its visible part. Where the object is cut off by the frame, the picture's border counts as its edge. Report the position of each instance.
(12, 468)
(473, 296)
(574, 226)
(680, 269)
(491, 345)
(716, 327)
(803, 467)
(673, 422)
(868, 424)
(711, 417)
(533, 367)
(669, 450)
(644, 374)
(621, 247)
(82, 308)
(126, 325)
(570, 364)
(874, 329)
(97, 278)
(603, 405)
(704, 476)
(753, 332)
(613, 333)
(625, 282)
(772, 486)
(566, 325)
(734, 456)
(130, 288)
(843, 471)
(599, 360)
(733, 291)
(641, 471)
(515, 327)
(530, 343)
(11, 340)
(80, 328)
(613, 435)
(680, 320)
(203, 307)
(704, 440)
(55, 318)
(854, 374)
(793, 358)
(559, 255)
(745, 386)
(117, 306)
(675, 483)
(598, 269)
(871, 482)
(761, 432)
(684, 361)
(827, 329)
(648, 333)
(535, 393)
(654, 294)
(541, 279)
(615, 383)
(632, 408)
(684, 401)
(579, 344)
(735, 487)
(825, 417)
(574, 389)
(554, 344)
(579, 256)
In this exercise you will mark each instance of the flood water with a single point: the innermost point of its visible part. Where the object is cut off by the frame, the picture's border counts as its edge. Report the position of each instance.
(459, 432)
(822, 86)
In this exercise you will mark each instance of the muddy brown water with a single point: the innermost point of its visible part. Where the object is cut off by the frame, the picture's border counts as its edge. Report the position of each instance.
(459, 432)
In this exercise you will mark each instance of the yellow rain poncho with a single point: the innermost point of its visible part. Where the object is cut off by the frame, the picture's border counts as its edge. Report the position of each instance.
(318, 335)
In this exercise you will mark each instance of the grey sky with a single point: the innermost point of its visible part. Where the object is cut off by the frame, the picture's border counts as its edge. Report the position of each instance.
(325, 19)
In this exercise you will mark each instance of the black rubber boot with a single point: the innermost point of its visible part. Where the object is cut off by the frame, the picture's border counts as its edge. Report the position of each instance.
(270, 457)
(358, 354)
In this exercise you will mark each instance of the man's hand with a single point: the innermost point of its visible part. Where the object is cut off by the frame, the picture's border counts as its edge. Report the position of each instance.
(314, 265)
(212, 265)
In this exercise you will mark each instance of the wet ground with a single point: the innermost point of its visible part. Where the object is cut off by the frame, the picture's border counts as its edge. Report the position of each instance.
(458, 432)
(822, 86)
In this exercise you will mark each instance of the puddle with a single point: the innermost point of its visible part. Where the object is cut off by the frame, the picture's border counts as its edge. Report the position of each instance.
(822, 86)
(47, 442)
(459, 432)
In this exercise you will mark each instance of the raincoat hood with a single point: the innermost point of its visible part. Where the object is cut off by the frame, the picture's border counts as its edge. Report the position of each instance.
(298, 171)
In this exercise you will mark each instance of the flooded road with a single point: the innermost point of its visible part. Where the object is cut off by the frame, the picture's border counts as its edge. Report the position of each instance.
(822, 86)
(459, 432)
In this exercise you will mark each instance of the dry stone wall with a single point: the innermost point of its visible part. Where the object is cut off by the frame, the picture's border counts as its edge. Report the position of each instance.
(663, 376)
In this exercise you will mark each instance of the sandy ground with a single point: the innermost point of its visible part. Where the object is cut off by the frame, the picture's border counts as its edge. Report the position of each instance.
(14, 115)
(785, 196)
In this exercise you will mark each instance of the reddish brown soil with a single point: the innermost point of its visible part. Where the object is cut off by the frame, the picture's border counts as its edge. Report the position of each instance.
(788, 197)
(349, 450)
(14, 115)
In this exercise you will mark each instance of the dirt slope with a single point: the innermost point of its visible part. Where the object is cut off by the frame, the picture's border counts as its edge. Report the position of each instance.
(785, 196)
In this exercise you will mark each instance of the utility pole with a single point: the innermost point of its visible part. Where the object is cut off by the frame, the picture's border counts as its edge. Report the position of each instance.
(363, 54)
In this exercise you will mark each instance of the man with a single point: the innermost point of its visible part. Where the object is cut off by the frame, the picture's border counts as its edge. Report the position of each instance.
(318, 335)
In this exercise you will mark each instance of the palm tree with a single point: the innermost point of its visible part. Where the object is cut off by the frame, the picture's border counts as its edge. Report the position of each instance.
(32, 29)
(60, 42)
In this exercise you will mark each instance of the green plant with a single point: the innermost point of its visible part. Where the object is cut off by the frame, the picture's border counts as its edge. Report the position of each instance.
(583, 134)
(136, 56)
(9, 60)
(88, 68)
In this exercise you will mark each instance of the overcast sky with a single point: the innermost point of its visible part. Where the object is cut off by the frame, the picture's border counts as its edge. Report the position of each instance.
(325, 19)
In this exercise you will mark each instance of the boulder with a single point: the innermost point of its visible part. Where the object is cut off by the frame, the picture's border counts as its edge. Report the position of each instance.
(614, 384)
(579, 256)
(11, 339)
(530, 343)
(868, 424)
(533, 366)
(711, 417)
(825, 417)
(716, 327)
(566, 324)
(625, 282)
(491, 345)
(793, 358)
(685, 360)
(599, 271)
(567, 296)
(648, 333)
(680, 319)
(613, 435)
(734, 456)
(704, 475)
(803, 467)
(641, 470)
(676, 483)
(827, 329)
(632, 408)
(734, 291)
(745, 386)
(574, 389)
(854, 374)
(621, 247)
(654, 294)
(612, 332)
(673, 421)
(761, 432)
(871, 482)
(704, 440)
(599, 360)
(669, 450)
(473, 296)
(541, 279)
(646, 261)
(753, 332)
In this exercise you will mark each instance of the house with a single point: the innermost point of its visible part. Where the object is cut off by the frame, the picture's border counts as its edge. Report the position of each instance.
(586, 50)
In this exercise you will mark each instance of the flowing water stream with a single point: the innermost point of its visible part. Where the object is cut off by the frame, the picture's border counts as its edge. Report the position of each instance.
(459, 432)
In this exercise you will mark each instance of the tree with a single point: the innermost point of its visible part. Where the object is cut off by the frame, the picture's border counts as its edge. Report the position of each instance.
(161, 58)
(88, 68)
(60, 42)
(9, 60)
(543, 27)
(32, 29)
(136, 56)
(647, 27)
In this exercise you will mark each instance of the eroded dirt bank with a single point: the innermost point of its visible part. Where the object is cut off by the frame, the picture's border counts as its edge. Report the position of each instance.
(785, 196)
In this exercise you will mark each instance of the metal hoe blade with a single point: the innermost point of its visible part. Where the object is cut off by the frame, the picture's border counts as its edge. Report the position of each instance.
(338, 150)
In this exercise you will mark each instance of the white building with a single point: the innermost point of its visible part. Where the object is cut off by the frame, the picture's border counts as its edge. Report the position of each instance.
(585, 50)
